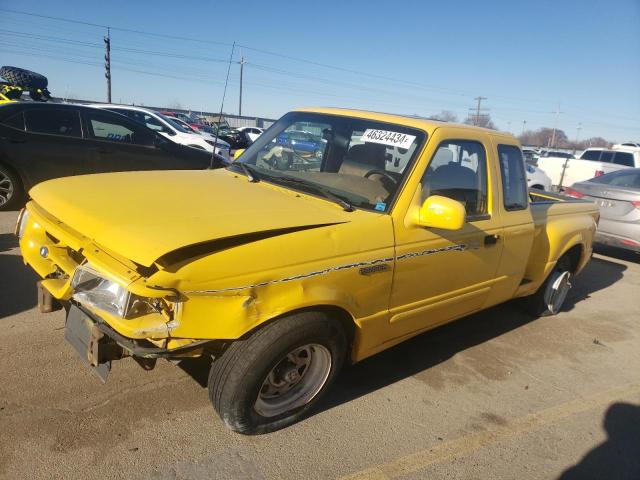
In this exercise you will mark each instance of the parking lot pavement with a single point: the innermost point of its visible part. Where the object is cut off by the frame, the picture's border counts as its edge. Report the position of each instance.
(496, 395)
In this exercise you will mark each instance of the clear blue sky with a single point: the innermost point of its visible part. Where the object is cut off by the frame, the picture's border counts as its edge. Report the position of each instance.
(525, 57)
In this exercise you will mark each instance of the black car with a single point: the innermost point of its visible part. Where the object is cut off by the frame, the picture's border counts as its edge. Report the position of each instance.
(40, 141)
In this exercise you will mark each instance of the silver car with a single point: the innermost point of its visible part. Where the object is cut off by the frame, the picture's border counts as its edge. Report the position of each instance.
(618, 195)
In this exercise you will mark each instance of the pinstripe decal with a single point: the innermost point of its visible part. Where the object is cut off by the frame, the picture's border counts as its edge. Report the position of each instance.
(459, 247)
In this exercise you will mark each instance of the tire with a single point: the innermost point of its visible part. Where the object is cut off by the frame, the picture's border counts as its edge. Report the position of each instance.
(11, 190)
(245, 382)
(550, 297)
(24, 78)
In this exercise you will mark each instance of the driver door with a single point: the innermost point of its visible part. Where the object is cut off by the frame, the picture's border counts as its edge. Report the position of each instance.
(441, 275)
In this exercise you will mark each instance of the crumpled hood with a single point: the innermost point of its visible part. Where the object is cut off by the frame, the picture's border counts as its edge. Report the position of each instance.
(145, 215)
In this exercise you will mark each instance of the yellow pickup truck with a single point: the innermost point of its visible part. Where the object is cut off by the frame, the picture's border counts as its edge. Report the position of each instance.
(298, 257)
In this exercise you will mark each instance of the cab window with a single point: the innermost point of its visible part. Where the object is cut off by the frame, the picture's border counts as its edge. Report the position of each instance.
(514, 180)
(62, 122)
(458, 170)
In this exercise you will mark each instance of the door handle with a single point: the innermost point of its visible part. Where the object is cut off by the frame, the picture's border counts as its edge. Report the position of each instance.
(491, 240)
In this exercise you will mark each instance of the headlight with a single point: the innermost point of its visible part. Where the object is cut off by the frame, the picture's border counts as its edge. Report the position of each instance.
(93, 289)
(22, 222)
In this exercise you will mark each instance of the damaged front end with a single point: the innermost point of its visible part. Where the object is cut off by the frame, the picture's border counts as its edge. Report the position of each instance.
(112, 312)
(98, 344)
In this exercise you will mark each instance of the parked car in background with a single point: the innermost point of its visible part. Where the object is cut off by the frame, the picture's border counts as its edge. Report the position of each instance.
(593, 162)
(555, 154)
(206, 135)
(41, 141)
(236, 138)
(626, 145)
(618, 196)
(301, 142)
(530, 156)
(173, 131)
(537, 179)
(252, 132)
(192, 120)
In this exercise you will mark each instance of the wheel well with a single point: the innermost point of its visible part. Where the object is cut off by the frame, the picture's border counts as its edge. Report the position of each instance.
(574, 254)
(537, 187)
(344, 318)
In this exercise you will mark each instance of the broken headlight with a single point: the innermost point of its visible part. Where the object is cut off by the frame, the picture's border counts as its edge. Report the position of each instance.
(92, 289)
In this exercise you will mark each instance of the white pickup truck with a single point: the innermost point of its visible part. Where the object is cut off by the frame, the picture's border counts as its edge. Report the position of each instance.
(592, 163)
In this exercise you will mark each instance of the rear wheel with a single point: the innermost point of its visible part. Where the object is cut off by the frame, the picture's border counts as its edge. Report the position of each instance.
(11, 191)
(273, 378)
(550, 297)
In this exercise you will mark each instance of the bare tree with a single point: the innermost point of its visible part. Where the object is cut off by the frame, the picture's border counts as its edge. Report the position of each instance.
(445, 116)
(482, 121)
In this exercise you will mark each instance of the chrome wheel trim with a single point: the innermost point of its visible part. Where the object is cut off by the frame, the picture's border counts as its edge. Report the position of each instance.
(6, 188)
(557, 290)
(295, 380)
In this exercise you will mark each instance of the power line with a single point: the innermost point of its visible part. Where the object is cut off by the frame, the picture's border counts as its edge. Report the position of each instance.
(120, 29)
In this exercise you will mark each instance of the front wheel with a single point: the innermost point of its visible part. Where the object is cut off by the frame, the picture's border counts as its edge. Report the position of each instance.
(550, 297)
(273, 378)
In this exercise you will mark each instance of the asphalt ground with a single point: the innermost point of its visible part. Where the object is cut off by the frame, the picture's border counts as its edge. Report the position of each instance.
(497, 395)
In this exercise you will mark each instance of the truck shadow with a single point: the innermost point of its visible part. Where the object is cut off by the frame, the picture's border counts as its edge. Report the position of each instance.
(436, 346)
(17, 286)
(8, 241)
(599, 274)
(617, 253)
(619, 455)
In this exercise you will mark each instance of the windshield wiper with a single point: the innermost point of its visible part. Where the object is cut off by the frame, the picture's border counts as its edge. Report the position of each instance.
(251, 174)
(326, 193)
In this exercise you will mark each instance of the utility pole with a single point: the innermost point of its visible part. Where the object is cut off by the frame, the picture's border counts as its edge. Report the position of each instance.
(241, 70)
(555, 126)
(476, 118)
(524, 125)
(107, 63)
(575, 145)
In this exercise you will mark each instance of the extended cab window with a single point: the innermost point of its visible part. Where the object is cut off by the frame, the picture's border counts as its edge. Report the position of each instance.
(458, 170)
(104, 127)
(514, 182)
(64, 122)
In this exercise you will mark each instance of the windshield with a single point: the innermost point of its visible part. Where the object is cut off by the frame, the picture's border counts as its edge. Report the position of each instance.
(362, 162)
(174, 124)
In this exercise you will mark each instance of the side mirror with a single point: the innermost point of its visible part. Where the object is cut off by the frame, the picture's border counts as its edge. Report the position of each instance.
(441, 212)
(237, 153)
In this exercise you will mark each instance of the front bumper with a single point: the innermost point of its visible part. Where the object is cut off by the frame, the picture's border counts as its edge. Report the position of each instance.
(98, 344)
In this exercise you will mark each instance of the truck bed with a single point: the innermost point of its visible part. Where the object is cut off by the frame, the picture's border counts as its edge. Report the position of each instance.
(556, 220)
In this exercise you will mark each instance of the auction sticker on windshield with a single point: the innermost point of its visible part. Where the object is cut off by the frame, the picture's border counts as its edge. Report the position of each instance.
(394, 139)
